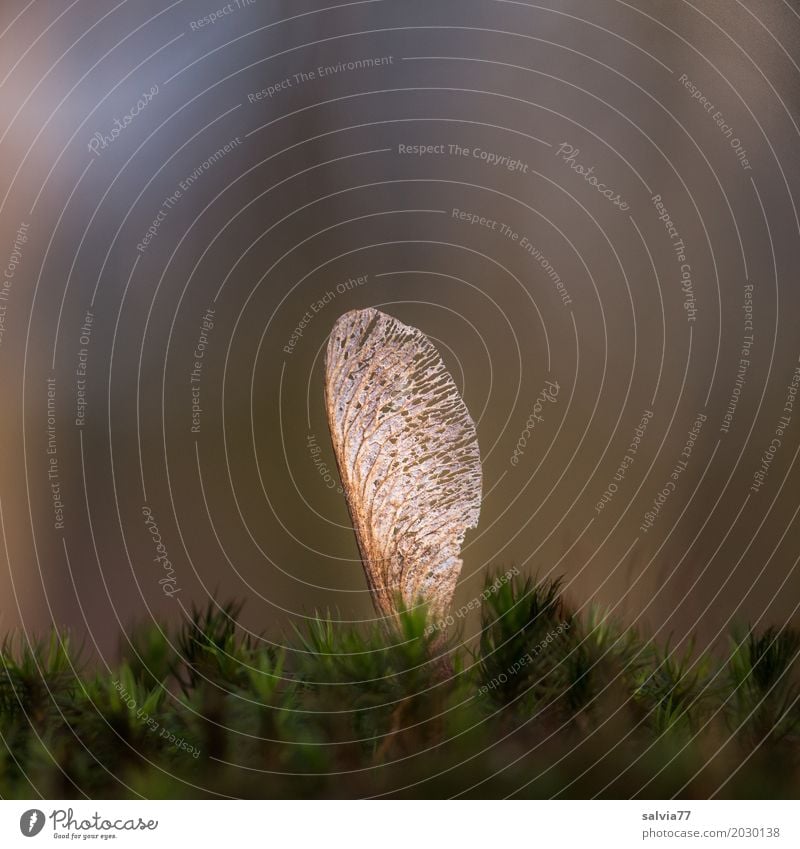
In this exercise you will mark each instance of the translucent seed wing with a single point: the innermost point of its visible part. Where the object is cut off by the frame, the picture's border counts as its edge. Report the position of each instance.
(408, 457)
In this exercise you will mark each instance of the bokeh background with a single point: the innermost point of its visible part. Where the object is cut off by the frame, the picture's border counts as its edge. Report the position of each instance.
(280, 196)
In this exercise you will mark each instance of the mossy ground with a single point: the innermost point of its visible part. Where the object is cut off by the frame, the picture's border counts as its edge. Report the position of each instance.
(546, 704)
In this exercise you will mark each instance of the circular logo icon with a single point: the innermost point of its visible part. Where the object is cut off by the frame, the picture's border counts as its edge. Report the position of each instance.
(31, 822)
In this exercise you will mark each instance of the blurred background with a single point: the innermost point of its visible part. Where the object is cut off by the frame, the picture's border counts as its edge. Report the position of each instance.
(603, 196)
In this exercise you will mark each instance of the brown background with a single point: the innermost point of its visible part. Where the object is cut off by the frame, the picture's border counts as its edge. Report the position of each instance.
(318, 194)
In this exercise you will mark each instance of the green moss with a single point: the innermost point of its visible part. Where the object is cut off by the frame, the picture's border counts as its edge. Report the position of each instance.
(547, 703)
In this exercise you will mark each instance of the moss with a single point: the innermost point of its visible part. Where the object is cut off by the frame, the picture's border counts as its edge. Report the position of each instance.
(548, 703)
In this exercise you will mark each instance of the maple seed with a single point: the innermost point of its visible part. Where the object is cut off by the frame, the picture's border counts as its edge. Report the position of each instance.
(408, 458)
